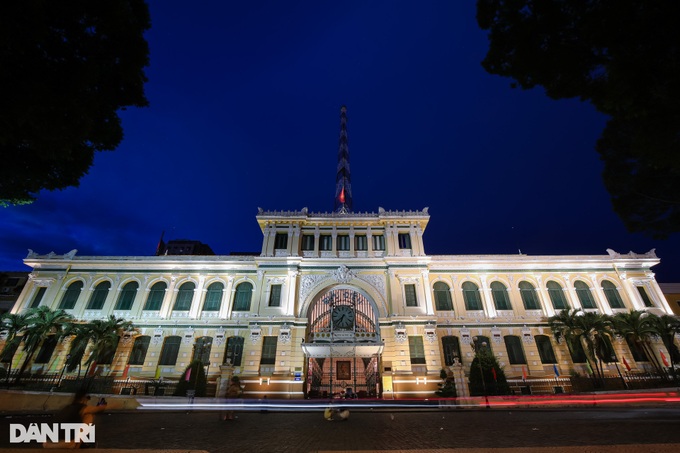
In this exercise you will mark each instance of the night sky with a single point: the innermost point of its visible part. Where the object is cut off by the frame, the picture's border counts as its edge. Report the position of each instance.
(244, 113)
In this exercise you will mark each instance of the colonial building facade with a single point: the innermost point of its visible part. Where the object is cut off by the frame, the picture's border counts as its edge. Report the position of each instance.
(339, 300)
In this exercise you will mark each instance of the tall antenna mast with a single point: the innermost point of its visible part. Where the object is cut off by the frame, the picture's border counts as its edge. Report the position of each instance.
(343, 182)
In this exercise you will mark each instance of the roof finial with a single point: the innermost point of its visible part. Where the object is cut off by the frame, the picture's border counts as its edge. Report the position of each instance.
(343, 182)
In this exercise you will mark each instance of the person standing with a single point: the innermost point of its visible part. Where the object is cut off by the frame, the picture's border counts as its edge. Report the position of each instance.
(233, 391)
(79, 411)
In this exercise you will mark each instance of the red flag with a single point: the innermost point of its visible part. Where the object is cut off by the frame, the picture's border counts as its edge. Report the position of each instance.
(188, 375)
(663, 358)
(493, 371)
(524, 373)
(92, 369)
(626, 364)
(342, 195)
(126, 371)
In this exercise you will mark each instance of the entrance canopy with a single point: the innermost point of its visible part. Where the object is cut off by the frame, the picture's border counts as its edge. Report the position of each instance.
(342, 350)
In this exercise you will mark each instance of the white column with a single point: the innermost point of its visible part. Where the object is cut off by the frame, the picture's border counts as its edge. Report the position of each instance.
(487, 300)
(544, 298)
(572, 297)
(631, 293)
(429, 306)
(26, 295)
(657, 295)
(600, 297)
(199, 299)
(170, 294)
(225, 308)
(290, 285)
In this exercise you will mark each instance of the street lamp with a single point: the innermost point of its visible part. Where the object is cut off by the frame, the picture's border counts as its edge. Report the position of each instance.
(476, 350)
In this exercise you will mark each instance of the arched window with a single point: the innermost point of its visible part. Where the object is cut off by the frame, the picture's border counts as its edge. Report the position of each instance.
(71, 296)
(499, 293)
(556, 295)
(442, 297)
(584, 295)
(451, 348)
(185, 295)
(244, 292)
(545, 349)
(234, 351)
(513, 344)
(127, 296)
(528, 293)
(98, 296)
(213, 297)
(202, 349)
(156, 295)
(612, 294)
(139, 349)
(170, 350)
(471, 296)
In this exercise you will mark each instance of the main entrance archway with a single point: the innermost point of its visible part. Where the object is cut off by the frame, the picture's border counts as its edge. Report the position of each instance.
(343, 344)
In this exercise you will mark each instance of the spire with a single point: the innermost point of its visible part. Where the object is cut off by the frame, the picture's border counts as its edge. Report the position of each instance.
(343, 182)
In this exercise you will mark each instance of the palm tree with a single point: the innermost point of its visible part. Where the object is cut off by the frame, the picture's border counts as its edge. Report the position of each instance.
(566, 326)
(42, 323)
(102, 335)
(13, 326)
(666, 327)
(80, 337)
(638, 327)
(105, 335)
(596, 329)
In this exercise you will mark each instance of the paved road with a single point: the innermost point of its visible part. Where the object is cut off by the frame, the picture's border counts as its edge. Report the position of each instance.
(429, 430)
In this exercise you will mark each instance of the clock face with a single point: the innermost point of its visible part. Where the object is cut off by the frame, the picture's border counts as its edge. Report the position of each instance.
(343, 317)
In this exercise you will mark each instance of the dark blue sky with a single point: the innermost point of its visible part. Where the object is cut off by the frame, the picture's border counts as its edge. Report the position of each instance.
(245, 99)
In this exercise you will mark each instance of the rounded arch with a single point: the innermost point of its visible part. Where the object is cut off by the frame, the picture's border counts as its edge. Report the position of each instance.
(530, 279)
(127, 280)
(212, 280)
(98, 280)
(187, 279)
(238, 280)
(152, 282)
(366, 313)
(442, 296)
(358, 285)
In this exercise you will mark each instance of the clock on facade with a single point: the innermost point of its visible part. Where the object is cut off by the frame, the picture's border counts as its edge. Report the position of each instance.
(343, 317)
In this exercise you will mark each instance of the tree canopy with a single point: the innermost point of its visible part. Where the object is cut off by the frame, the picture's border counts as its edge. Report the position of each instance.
(623, 56)
(66, 69)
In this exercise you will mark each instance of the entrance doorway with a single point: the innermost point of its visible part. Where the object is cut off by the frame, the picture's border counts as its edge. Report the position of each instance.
(343, 346)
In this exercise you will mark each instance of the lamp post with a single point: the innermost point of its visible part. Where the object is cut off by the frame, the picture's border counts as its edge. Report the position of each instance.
(476, 349)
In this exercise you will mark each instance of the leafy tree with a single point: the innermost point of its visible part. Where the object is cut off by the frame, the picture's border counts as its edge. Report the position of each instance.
(66, 68)
(197, 380)
(621, 56)
(489, 375)
(42, 322)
